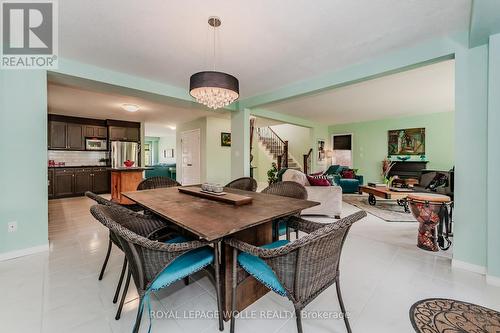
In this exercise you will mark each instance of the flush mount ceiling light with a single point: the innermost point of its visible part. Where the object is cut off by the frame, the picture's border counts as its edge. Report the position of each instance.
(130, 107)
(211, 88)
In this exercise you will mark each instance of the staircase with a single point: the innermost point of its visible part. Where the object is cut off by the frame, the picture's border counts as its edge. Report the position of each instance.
(277, 148)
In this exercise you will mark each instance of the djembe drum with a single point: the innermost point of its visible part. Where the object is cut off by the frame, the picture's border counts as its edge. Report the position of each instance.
(430, 210)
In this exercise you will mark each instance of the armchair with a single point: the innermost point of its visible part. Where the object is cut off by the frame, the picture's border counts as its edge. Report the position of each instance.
(156, 265)
(348, 185)
(299, 270)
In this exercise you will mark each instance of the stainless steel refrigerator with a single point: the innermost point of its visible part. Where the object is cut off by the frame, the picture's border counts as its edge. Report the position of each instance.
(122, 151)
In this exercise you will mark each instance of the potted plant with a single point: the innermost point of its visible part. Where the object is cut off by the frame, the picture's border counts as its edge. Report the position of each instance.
(271, 174)
(386, 169)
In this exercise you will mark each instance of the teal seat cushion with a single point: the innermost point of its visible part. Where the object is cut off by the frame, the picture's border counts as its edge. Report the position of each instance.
(184, 265)
(262, 271)
(282, 228)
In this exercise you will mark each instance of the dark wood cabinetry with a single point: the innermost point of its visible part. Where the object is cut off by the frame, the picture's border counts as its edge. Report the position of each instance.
(83, 181)
(69, 133)
(50, 183)
(69, 182)
(117, 133)
(100, 132)
(75, 138)
(66, 136)
(63, 183)
(57, 135)
(100, 180)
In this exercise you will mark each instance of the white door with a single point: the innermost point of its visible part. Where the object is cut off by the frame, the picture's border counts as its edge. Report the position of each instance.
(190, 143)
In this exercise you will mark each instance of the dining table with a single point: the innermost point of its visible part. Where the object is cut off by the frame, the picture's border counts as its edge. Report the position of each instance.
(213, 220)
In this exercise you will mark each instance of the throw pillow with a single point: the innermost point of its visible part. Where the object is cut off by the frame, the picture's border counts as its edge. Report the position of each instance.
(295, 176)
(318, 181)
(348, 174)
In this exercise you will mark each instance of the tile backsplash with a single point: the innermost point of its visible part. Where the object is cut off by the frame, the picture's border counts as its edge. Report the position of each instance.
(78, 158)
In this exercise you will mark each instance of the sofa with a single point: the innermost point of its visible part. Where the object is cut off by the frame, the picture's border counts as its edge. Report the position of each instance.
(433, 181)
(163, 170)
(348, 185)
(329, 197)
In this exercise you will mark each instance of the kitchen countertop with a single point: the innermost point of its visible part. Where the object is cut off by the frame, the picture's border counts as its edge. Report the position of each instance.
(130, 169)
(77, 166)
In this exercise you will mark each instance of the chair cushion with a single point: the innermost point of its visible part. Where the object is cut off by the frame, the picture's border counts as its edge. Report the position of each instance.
(258, 268)
(184, 265)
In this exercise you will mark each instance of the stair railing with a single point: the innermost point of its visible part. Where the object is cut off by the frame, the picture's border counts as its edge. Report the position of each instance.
(277, 146)
(308, 161)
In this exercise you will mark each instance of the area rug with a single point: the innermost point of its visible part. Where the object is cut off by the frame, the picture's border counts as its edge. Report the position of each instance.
(387, 210)
(440, 315)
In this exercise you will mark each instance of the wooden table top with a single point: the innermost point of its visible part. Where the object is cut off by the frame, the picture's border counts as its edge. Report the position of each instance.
(384, 192)
(211, 220)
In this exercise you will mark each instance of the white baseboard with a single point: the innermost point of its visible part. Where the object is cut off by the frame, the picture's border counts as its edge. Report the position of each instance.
(468, 267)
(493, 280)
(23, 252)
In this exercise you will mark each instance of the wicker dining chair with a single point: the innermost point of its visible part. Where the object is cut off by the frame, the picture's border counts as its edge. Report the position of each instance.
(244, 183)
(299, 270)
(285, 189)
(156, 265)
(141, 224)
(156, 182)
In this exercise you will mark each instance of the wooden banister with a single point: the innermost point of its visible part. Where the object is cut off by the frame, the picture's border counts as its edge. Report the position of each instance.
(277, 146)
(307, 161)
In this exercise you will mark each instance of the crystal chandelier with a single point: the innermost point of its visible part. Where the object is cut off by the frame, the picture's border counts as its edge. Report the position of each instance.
(211, 88)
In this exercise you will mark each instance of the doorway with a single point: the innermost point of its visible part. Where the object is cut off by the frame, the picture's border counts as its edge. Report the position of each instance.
(342, 149)
(190, 166)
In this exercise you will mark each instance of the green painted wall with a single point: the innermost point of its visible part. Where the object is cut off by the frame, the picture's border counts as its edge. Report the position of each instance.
(218, 157)
(23, 169)
(493, 227)
(370, 141)
(471, 127)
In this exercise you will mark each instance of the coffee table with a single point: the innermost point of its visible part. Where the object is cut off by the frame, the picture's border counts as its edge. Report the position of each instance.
(388, 194)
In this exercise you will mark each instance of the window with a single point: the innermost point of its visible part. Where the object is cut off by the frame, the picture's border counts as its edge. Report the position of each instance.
(342, 149)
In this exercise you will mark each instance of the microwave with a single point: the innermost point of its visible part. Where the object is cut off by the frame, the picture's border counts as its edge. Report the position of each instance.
(96, 144)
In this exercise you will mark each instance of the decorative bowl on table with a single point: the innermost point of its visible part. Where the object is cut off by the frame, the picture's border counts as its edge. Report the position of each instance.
(128, 163)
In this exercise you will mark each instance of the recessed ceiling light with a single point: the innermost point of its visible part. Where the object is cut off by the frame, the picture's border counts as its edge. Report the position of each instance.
(172, 127)
(130, 107)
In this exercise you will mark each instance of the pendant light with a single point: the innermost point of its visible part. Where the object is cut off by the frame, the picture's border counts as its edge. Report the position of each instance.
(211, 88)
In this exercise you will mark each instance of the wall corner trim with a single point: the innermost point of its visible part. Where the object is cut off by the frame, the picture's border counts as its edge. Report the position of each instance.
(457, 264)
(24, 252)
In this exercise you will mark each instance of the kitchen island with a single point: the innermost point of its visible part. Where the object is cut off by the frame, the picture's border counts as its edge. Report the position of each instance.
(124, 180)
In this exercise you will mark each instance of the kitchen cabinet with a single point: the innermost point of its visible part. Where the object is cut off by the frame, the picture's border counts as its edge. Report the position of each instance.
(69, 182)
(57, 135)
(100, 180)
(117, 133)
(96, 132)
(63, 183)
(50, 183)
(82, 181)
(66, 136)
(75, 137)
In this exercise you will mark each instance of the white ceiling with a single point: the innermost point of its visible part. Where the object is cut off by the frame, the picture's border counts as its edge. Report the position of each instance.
(266, 44)
(427, 89)
(158, 117)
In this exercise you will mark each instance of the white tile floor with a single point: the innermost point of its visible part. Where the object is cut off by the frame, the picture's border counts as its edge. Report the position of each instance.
(383, 274)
